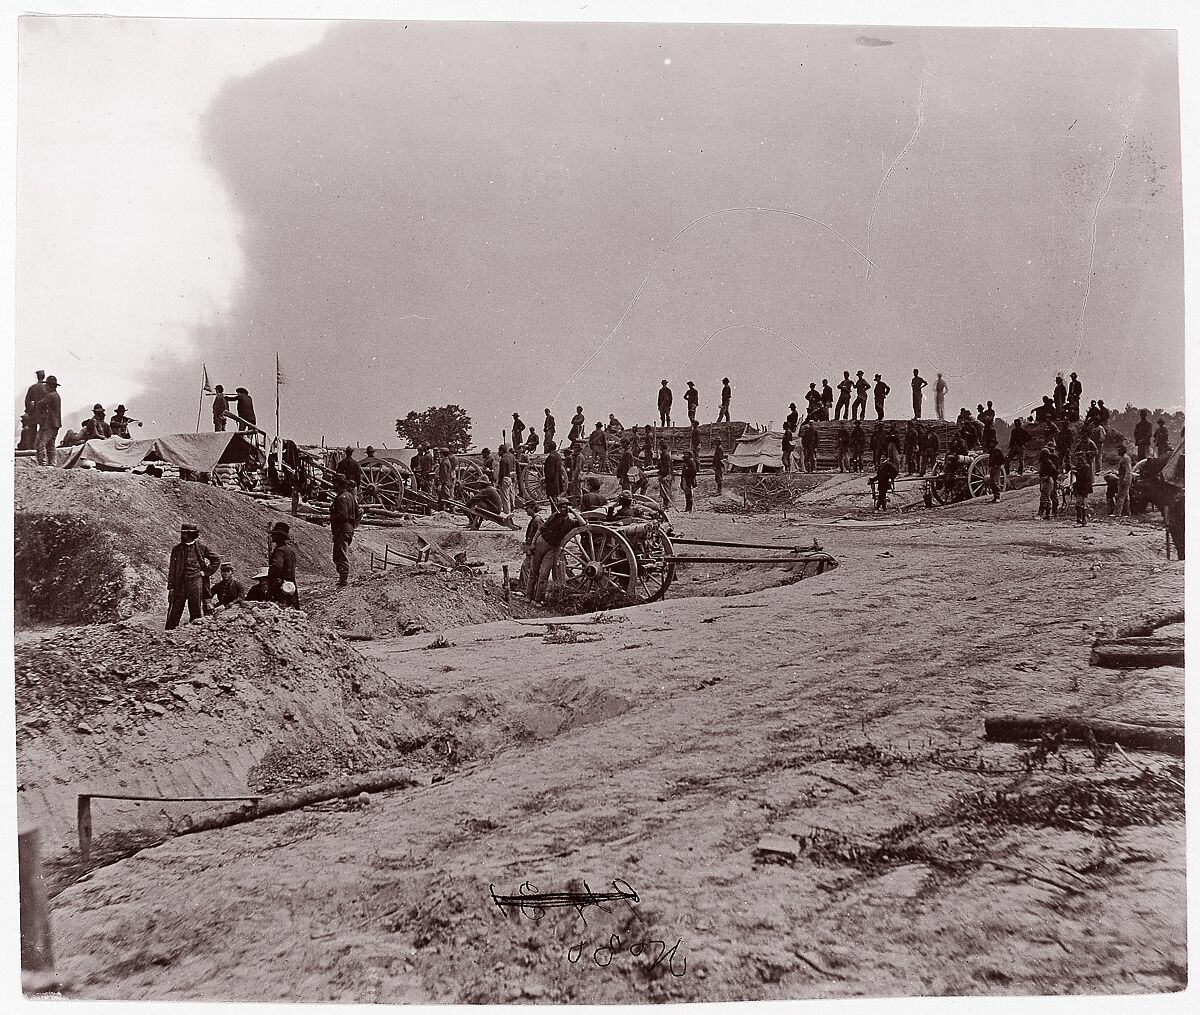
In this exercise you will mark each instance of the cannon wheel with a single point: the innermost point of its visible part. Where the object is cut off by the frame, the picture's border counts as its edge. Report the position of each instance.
(383, 483)
(469, 477)
(595, 558)
(977, 477)
(656, 569)
(533, 481)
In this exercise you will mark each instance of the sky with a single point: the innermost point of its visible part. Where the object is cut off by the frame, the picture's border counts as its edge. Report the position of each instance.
(519, 216)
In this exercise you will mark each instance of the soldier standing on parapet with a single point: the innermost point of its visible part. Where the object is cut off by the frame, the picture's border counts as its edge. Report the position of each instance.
(220, 406)
(826, 400)
(845, 386)
(1060, 396)
(49, 422)
(518, 430)
(940, 388)
(548, 428)
(245, 408)
(793, 419)
(577, 424)
(882, 390)
(664, 405)
(598, 442)
(726, 395)
(861, 387)
(692, 397)
(1074, 394)
(344, 517)
(918, 382)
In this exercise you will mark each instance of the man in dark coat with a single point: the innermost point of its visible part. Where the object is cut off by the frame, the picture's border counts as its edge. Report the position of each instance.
(918, 383)
(546, 544)
(344, 517)
(49, 417)
(281, 572)
(1060, 396)
(445, 479)
(220, 407)
(228, 591)
(861, 386)
(1162, 440)
(718, 464)
(518, 430)
(1143, 432)
(912, 448)
(350, 469)
(1017, 439)
(120, 423)
(845, 386)
(664, 405)
(826, 399)
(192, 565)
(35, 393)
(882, 390)
(554, 475)
(792, 422)
(1074, 394)
(932, 445)
(548, 428)
(692, 397)
(808, 442)
(787, 447)
(687, 479)
(624, 464)
(726, 395)
(97, 428)
(858, 444)
(245, 408)
(598, 442)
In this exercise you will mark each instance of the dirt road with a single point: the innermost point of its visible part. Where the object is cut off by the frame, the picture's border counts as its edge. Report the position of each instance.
(836, 723)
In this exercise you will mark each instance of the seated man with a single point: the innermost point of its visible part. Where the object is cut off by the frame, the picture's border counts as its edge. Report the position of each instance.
(260, 591)
(487, 499)
(228, 591)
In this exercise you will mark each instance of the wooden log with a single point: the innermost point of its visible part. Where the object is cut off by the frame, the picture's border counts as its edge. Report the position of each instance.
(36, 952)
(1131, 653)
(279, 803)
(1011, 729)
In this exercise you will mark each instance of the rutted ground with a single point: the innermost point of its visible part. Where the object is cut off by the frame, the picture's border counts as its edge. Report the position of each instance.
(844, 711)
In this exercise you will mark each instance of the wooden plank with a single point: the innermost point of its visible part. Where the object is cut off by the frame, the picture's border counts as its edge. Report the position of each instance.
(37, 955)
(1010, 729)
(1137, 652)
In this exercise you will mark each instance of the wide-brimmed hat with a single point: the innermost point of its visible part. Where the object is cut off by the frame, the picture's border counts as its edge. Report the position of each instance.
(97, 407)
(52, 381)
(261, 574)
(281, 527)
(120, 408)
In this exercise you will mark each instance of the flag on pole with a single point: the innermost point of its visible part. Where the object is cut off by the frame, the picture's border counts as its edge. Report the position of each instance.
(207, 387)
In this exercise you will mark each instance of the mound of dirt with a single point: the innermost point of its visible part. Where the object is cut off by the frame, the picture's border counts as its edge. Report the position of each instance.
(137, 521)
(411, 602)
(255, 698)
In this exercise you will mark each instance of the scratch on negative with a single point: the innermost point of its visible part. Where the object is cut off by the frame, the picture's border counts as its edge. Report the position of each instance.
(1087, 288)
(907, 148)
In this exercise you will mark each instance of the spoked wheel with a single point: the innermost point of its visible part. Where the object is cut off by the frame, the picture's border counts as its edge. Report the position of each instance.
(977, 477)
(383, 483)
(656, 569)
(469, 478)
(594, 560)
(533, 481)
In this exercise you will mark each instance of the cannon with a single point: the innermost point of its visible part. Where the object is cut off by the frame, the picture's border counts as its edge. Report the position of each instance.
(960, 477)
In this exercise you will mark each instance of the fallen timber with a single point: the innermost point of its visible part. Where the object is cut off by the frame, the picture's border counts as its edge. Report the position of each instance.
(1137, 652)
(1014, 729)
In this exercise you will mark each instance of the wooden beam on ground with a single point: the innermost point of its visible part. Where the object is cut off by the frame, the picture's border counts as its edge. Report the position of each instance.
(1013, 729)
(1136, 652)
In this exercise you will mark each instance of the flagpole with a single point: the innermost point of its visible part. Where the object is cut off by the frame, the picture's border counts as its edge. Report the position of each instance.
(200, 407)
(277, 396)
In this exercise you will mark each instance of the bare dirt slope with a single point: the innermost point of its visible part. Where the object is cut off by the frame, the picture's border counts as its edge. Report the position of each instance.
(143, 515)
(836, 721)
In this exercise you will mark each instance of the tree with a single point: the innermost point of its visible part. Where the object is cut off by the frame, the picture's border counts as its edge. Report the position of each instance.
(445, 427)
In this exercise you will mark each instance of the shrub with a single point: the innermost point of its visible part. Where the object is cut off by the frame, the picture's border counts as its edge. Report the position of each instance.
(65, 570)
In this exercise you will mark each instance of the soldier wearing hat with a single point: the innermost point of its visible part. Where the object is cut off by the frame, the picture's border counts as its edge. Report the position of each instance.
(882, 390)
(245, 407)
(445, 479)
(49, 421)
(344, 517)
(120, 423)
(687, 479)
(192, 565)
(281, 576)
(665, 398)
(861, 386)
(1074, 394)
(96, 428)
(228, 591)
(623, 510)
(350, 469)
(220, 407)
(726, 395)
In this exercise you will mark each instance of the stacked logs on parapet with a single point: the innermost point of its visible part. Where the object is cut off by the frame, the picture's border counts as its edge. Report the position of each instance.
(1137, 651)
